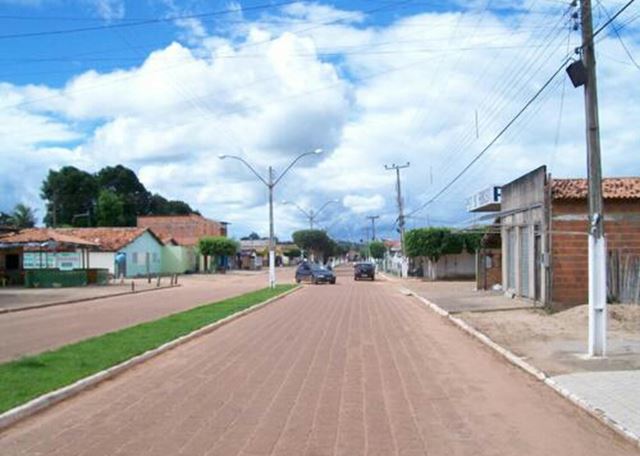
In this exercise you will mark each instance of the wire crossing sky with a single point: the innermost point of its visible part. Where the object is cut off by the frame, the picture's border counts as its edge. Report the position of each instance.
(164, 86)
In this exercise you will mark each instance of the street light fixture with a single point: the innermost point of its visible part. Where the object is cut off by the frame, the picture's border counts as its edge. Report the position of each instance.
(271, 181)
(310, 214)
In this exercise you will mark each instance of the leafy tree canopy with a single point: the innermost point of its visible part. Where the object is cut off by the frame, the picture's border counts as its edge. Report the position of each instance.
(110, 209)
(435, 242)
(292, 253)
(315, 241)
(69, 192)
(252, 237)
(377, 249)
(23, 217)
(72, 193)
(217, 246)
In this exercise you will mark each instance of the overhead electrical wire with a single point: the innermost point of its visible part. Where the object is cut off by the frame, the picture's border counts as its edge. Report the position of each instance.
(157, 20)
(622, 43)
(515, 118)
(492, 110)
(495, 139)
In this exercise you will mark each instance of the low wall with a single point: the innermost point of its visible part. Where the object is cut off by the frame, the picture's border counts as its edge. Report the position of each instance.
(55, 278)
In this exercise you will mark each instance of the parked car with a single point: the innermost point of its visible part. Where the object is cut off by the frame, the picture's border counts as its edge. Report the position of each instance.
(364, 269)
(314, 273)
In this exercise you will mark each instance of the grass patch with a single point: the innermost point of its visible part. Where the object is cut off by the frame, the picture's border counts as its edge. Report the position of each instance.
(33, 376)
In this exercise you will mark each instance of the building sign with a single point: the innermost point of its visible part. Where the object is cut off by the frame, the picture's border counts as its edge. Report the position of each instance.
(38, 260)
(487, 200)
(65, 261)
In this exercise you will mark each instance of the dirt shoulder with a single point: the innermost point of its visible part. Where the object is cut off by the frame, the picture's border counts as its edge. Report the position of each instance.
(557, 343)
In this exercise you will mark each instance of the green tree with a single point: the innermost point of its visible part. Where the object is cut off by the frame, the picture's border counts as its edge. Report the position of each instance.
(124, 183)
(23, 216)
(159, 205)
(377, 249)
(69, 192)
(5, 219)
(314, 241)
(292, 253)
(252, 237)
(110, 209)
(212, 246)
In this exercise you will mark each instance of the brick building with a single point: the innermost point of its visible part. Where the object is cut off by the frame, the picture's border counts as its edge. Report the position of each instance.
(544, 223)
(185, 230)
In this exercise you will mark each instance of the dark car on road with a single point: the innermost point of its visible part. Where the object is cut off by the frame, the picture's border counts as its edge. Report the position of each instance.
(314, 273)
(365, 269)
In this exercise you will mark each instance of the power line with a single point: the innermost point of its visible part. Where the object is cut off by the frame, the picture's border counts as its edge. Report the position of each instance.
(157, 20)
(615, 29)
(495, 139)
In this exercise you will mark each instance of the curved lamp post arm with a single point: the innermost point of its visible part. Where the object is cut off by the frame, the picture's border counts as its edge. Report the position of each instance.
(324, 206)
(315, 152)
(291, 203)
(240, 159)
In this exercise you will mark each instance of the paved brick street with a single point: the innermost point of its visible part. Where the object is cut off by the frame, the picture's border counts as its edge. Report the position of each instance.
(350, 369)
(37, 330)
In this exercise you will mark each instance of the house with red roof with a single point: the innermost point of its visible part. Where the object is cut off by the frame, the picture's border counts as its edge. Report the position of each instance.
(544, 224)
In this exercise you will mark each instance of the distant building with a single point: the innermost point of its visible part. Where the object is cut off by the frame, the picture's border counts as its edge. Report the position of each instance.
(181, 233)
(183, 229)
(544, 225)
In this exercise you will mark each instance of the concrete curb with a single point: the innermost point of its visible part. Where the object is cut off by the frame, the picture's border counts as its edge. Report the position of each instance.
(598, 414)
(77, 301)
(38, 404)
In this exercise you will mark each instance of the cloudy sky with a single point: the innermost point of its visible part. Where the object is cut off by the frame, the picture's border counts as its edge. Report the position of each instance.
(165, 86)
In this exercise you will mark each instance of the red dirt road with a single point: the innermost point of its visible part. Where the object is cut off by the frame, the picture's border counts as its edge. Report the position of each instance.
(350, 369)
(37, 330)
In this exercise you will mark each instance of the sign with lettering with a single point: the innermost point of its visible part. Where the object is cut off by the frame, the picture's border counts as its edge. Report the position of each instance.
(487, 200)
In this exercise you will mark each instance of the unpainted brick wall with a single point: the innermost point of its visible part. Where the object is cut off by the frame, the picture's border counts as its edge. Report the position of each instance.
(570, 277)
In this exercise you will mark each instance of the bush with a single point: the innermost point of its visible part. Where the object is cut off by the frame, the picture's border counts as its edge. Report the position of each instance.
(217, 246)
(377, 249)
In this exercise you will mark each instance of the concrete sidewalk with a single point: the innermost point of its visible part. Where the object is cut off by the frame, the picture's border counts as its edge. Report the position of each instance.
(555, 344)
(461, 296)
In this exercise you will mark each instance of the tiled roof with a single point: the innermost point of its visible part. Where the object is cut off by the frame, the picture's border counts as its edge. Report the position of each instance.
(109, 239)
(612, 188)
(41, 235)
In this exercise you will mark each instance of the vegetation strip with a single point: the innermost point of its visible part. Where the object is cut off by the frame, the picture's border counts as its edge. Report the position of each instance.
(33, 376)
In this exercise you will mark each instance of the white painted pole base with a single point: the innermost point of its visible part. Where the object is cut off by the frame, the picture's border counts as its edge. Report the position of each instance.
(597, 296)
(272, 269)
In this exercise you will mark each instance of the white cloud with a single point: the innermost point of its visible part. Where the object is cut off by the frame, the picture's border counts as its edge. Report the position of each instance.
(361, 204)
(369, 96)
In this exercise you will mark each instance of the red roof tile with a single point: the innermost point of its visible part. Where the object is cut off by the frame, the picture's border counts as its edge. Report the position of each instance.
(612, 188)
(110, 239)
(41, 235)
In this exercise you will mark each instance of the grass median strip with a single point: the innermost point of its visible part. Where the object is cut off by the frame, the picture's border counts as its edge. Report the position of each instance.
(32, 376)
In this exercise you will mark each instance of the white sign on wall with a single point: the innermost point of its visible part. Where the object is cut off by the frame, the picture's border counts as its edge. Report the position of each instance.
(65, 261)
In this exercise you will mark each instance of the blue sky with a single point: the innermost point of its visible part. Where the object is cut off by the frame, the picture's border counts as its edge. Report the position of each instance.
(371, 82)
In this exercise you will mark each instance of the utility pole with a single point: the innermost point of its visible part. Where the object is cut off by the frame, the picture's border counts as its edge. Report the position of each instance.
(397, 168)
(272, 241)
(597, 242)
(373, 225)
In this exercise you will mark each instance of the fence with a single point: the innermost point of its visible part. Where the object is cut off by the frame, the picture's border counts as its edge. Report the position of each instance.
(623, 277)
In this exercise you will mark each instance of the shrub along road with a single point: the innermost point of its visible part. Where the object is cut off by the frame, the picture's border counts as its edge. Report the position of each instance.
(34, 331)
(346, 369)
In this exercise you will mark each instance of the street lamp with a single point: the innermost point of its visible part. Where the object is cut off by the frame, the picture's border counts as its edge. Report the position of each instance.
(271, 182)
(310, 214)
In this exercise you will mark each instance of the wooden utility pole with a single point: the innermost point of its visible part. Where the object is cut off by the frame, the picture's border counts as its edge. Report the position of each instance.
(397, 169)
(597, 242)
(373, 225)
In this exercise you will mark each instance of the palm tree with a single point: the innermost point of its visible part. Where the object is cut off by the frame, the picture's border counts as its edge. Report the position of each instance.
(23, 216)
